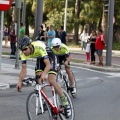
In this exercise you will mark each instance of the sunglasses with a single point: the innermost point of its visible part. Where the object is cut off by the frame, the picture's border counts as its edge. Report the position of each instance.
(56, 46)
(24, 49)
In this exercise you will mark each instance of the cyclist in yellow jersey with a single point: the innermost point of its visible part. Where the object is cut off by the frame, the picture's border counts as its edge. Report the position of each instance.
(64, 57)
(46, 63)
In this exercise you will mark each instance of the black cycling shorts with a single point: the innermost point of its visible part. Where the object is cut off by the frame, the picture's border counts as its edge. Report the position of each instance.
(62, 59)
(40, 65)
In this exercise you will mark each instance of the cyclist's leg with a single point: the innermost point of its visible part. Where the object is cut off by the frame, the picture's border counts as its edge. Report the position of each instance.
(68, 71)
(39, 69)
(52, 81)
(72, 80)
(70, 76)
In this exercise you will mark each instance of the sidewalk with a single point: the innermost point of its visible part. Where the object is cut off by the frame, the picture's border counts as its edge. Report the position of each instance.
(9, 75)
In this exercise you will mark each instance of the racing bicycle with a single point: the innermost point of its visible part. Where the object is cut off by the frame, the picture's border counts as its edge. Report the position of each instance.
(40, 106)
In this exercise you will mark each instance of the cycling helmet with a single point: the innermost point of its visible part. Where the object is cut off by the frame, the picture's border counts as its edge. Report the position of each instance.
(24, 42)
(56, 42)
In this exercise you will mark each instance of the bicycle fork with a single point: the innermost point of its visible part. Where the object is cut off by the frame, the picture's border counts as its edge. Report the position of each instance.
(39, 100)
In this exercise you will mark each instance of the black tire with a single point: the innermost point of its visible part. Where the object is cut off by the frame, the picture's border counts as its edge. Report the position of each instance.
(59, 103)
(31, 108)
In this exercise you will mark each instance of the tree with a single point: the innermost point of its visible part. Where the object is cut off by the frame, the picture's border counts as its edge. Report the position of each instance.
(77, 17)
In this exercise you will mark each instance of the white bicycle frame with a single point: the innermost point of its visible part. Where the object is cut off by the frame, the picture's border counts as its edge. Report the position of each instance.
(51, 101)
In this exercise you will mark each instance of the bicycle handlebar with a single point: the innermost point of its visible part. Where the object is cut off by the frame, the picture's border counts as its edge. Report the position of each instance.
(28, 80)
(31, 80)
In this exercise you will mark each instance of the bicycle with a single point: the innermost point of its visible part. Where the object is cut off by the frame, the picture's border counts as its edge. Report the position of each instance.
(40, 106)
(64, 82)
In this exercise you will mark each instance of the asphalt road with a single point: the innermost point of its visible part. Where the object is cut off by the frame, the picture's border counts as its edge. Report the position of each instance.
(98, 96)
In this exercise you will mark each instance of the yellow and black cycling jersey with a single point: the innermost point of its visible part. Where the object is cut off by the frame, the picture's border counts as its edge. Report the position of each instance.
(62, 54)
(39, 51)
(63, 50)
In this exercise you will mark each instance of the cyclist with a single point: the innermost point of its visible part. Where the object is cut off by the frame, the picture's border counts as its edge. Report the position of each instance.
(64, 55)
(46, 63)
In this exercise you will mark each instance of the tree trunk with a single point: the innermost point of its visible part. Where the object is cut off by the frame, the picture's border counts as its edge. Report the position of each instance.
(27, 26)
(77, 15)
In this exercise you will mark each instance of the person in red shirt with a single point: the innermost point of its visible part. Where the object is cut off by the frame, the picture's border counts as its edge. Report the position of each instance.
(99, 45)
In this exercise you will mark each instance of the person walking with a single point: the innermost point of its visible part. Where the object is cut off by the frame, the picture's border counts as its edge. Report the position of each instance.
(63, 35)
(93, 37)
(99, 45)
(50, 35)
(87, 53)
(6, 34)
(13, 40)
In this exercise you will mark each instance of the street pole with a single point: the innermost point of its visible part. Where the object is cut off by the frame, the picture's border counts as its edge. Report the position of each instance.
(18, 7)
(65, 16)
(110, 32)
(1, 36)
(39, 16)
(23, 12)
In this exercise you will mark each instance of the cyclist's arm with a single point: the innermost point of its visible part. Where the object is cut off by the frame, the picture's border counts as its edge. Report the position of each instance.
(68, 58)
(21, 76)
(22, 72)
(48, 66)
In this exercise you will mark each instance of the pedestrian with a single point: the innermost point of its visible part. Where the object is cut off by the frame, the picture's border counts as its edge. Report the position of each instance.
(41, 35)
(13, 40)
(6, 34)
(22, 30)
(99, 45)
(83, 39)
(50, 35)
(87, 52)
(93, 37)
(63, 35)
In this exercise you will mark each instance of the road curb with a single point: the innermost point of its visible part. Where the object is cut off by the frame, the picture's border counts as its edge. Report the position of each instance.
(13, 85)
(93, 67)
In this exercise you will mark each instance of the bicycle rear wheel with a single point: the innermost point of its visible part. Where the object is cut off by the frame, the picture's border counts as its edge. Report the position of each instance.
(71, 112)
(33, 108)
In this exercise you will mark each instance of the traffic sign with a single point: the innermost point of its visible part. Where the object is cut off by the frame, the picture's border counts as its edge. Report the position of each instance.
(5, 4)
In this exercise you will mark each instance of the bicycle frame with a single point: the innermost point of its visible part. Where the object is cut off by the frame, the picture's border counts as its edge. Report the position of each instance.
(52, 103)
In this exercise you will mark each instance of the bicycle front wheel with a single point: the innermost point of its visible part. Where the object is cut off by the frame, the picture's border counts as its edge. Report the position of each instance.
(34, 110)
(71, 112)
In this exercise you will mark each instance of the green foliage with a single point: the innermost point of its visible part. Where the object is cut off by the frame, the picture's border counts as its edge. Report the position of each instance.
(116, 45)
(90, 12)
(56, 18)
(30, 8)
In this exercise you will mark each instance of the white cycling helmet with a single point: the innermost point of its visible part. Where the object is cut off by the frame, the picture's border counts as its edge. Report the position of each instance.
(56, 42)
